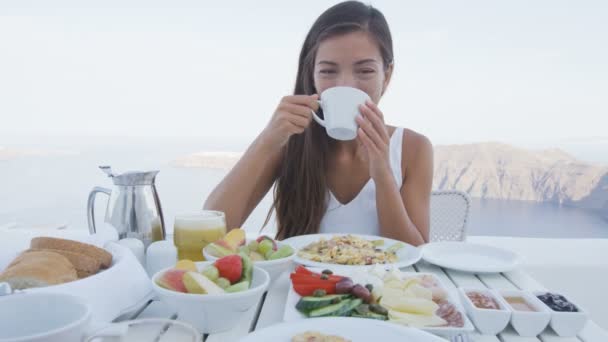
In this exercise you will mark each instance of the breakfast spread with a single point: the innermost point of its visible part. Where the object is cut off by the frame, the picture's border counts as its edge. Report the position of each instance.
(261, 249)
(53, 261)
(557, 302)
(380, 292)
(350, 250)
(231, 273)
(483, 301)
(314, 336)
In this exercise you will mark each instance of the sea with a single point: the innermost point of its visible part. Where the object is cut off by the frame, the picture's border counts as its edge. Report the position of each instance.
(47, 183)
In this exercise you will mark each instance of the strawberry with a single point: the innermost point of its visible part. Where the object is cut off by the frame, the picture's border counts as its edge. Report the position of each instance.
(230, 267)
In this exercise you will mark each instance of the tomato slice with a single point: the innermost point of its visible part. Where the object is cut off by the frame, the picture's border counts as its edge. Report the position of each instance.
(308, 290)
(303, 270)
(307, 279)
(331, 278)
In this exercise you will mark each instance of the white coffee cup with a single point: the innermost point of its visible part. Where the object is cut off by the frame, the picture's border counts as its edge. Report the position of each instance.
(340, 108)
(38, 317)
(58, 317)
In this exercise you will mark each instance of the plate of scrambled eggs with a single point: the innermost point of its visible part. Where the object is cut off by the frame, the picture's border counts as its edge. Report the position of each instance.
(352, 250)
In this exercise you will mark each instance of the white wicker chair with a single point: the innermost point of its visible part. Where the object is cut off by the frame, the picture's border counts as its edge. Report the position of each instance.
(449, 215)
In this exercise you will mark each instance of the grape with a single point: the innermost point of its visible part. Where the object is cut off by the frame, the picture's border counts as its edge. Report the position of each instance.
(283, 252)
(244, 249)
(253, 246)
(265, 246)
(286, 250)
(211, 272)
(268, 254)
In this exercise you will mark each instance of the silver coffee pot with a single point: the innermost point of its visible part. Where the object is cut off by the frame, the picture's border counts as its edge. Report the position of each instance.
(133, 208)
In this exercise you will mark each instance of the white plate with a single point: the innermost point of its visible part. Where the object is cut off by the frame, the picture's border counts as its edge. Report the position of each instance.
(470, 257)
(406, 256)
(354, 329)
(292, 314)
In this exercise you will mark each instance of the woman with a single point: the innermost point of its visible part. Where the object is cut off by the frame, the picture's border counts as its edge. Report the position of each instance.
(377, 184)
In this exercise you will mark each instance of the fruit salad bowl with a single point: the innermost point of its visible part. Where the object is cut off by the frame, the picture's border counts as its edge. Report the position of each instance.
(210, 312)
(273, 256)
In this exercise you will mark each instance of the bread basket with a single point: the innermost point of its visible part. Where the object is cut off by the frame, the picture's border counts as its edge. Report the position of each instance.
(118, 291)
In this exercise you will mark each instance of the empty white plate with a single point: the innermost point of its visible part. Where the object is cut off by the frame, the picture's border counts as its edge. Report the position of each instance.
(470, 257)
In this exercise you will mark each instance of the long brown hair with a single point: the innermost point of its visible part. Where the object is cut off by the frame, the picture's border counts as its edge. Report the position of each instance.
(301, 190)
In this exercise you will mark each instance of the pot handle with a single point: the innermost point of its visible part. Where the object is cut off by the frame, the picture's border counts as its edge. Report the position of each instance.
(91, 206)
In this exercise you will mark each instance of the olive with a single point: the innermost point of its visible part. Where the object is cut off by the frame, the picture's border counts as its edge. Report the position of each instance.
(379, 309)
(362, 309)
(319, 293)
(361, 292)
(345, 285)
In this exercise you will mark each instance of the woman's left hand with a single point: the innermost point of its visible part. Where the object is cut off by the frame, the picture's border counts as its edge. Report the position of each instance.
(374, 139)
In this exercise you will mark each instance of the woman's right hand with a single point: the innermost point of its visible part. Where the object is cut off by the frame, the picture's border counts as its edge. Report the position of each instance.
(292, 116)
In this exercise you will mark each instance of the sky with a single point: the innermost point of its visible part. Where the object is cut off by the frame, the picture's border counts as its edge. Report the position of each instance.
(465, 71)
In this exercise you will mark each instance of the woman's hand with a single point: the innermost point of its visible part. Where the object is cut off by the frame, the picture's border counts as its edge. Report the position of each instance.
(292, 116)
(375, 140)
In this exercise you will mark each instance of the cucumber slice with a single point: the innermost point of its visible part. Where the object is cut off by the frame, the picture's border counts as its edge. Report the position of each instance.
(306, 304)
(346, 311)
(330, 310)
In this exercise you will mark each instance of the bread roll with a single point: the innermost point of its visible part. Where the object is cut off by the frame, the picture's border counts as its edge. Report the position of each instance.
(104, 257)
(37, 269)
(83, 263)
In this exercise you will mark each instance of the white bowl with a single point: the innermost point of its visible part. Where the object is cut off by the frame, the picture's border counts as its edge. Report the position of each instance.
(274, 267)
(43, 317)
(527, 323)
(566, 324)
(213, 313)
(488, 321)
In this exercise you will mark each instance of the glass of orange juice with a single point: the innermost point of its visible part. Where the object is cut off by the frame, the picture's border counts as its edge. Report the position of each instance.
(192, 232)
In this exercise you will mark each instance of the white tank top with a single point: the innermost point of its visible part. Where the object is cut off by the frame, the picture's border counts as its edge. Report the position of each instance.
(360, 216)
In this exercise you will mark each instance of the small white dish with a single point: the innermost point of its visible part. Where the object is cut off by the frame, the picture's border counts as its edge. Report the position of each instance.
(527, 323)
(470, 257)
(406, 256)
(487, 321)
(274, 267)
(213, 313)
(566, 324)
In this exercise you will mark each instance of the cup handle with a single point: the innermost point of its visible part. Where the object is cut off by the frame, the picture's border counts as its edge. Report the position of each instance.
(317, 118)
